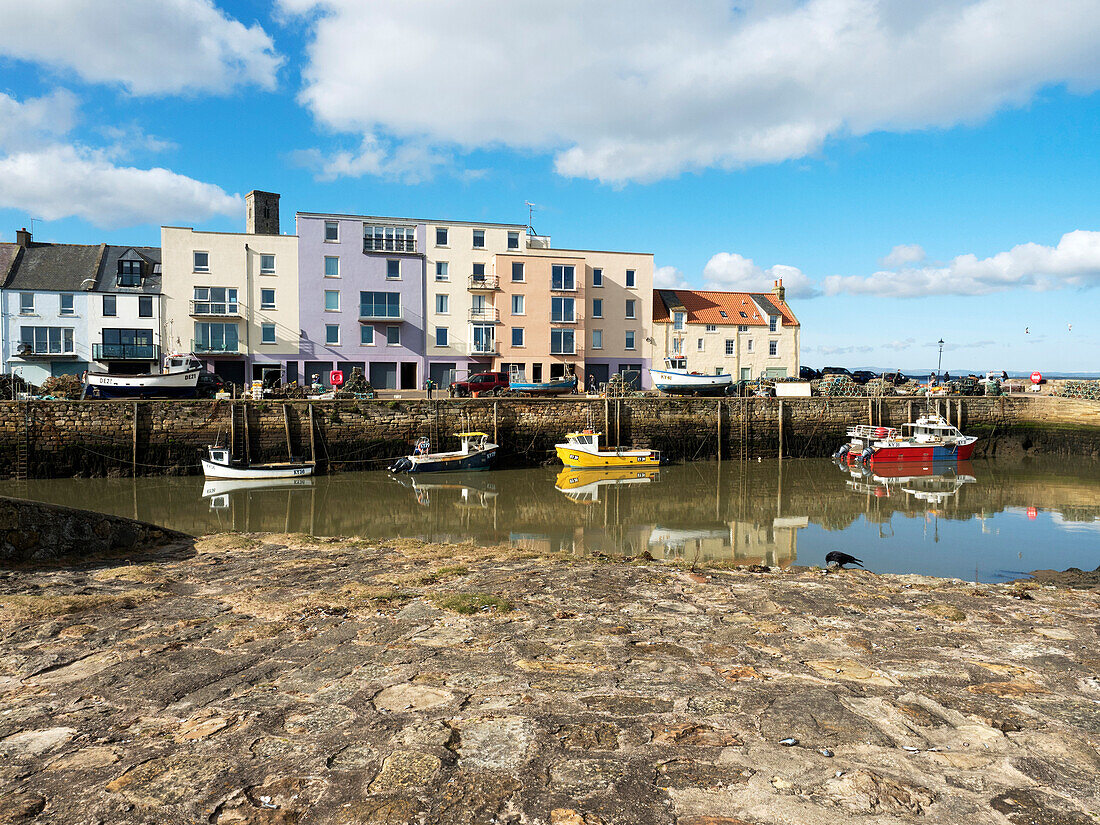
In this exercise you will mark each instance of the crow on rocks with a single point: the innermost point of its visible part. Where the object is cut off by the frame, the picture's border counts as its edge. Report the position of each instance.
(836, 558)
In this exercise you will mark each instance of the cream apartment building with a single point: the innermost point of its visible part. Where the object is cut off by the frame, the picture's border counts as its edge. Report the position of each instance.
(232, 298)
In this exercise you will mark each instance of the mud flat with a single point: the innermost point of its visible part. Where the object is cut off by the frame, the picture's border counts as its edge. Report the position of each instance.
(261, 678)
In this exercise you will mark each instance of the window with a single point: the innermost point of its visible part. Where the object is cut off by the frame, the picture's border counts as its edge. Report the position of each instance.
(630, 308)
(517, 305)
(267, 333)
(214, 300)
(443, 304)
(742, 314)
(773, 323)
(379, 305)
(630, 339)
(389, 238)
(517, 336)
(47, 340)
(109, 306)
(267, 299)
(699, 345)
(202, 261)
(125, 344)
(26, 303)
(517, 270)
(393, 336)
(479, 271)
(677, 346)
(393, 268)
(563, 277)
(129, 273)
(332, 300)
(145, 306)
(597, 307)
(630, 279)
(441, 236)
(742, 327)
(561, 342)
(332, 266)
(441, 271)
(210, 337)
(366, 334)
(66, 305)
(483, 339)
(479, 239)
(722, 312)
(712, 328)
(677, 320)
(332, 232)
(749, 346)
(267, 264)
(332, 334)
(513, 240)
(773, 348)
(731, 346)
(597, 339)
(441, 336)
(597, 277)
(562, 310)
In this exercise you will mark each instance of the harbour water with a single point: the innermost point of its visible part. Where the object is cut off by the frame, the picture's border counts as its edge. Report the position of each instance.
(981, 520)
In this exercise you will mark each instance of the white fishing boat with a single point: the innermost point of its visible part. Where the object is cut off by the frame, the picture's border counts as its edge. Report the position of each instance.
(221, 465)
(179, 379)
(675, 379)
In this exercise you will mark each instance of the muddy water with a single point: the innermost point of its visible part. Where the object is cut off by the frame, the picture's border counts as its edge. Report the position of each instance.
(981, 520)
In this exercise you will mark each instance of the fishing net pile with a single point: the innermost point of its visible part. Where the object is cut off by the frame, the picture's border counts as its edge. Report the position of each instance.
(356, 385)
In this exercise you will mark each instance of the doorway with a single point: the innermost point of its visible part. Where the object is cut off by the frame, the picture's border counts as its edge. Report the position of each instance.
(318, 369)
(632, 375)
(383, 375)
(442, 375)
(598, 373)
(231, 371)
(408, 375)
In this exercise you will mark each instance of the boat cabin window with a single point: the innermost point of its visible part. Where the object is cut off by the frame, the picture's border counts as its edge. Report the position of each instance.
(219, 456)
(676, 363)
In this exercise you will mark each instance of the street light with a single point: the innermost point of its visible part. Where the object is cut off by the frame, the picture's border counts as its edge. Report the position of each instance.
(939, 363)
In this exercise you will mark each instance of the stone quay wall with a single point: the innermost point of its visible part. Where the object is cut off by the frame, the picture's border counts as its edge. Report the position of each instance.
(42, 439)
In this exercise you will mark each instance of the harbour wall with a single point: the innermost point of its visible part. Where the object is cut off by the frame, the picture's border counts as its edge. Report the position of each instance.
(40, 439)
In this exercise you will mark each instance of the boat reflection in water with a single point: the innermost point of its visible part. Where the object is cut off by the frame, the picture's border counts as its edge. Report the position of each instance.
(583, 486)
(933, 482)
(464, 490)
(219, 490)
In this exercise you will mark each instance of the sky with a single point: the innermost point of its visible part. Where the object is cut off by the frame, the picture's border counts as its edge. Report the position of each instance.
(912, 171)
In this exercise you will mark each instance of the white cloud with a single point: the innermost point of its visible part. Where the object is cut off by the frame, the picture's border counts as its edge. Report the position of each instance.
(26, 124)
(732, 272)
(669, 277)
(1074, 262)
(644, 89)
(62, 181)
(163, 47)
(903, 254)
(409, 162)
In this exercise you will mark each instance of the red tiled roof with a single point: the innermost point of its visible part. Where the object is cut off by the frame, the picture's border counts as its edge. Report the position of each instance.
(706, 307)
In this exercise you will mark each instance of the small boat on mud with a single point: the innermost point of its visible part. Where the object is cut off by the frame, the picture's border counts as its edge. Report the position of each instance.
(475, 453)
(180, 379)
(675, 379)
(929, 438)
(519, 385)
(221, 465)
(582, 451)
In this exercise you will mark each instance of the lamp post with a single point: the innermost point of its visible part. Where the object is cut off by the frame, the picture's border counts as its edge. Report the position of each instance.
(939, 363)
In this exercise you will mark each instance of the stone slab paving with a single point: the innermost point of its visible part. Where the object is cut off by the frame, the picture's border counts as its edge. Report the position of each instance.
(288, 679)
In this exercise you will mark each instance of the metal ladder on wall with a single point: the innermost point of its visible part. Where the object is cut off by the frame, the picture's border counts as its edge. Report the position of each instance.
(22, 445)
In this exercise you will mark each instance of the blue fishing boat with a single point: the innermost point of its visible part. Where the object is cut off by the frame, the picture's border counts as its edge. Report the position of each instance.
(476, 453)
(518, 384)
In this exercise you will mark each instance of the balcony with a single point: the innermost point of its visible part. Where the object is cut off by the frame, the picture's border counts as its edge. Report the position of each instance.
(369, 314)
(483, 349)
(389, 244)
(484, 315)
(125, 352)
(215, 347)
(483, 283)
(215, 309)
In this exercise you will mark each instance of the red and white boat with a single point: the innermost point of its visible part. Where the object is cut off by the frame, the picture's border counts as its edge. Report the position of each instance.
(929, 438)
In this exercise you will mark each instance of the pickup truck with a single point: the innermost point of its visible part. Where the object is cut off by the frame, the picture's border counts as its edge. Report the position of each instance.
(490, 383)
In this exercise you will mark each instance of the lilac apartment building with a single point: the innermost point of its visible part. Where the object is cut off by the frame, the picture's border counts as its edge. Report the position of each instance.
(361, 299)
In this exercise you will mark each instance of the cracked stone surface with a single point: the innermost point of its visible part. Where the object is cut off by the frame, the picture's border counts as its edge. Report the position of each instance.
(292, 679)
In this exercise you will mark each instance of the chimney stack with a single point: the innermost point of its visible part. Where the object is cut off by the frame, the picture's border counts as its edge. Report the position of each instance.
(779, 291)
(261, 213)
(23, 237)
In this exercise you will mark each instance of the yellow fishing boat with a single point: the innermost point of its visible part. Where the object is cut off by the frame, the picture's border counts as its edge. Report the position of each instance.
(582, 450)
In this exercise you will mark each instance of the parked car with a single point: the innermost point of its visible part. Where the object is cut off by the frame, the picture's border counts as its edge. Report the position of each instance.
(863, 376)
(495, 383)
(895, 378)
(210, 385)
(835, 371)
(808, 374)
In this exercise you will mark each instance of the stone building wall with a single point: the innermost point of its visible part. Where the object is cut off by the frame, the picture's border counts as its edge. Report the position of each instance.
(105, 438)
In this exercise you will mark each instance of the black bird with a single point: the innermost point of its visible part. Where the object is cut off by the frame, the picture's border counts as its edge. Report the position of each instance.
(835, 558)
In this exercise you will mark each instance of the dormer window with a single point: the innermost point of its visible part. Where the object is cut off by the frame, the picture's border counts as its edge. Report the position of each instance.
(129, 273)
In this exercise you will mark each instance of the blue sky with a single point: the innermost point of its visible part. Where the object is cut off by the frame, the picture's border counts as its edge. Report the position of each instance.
(912, 171)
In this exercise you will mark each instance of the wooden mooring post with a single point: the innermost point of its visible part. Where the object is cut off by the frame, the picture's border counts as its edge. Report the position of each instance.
(286, 429)
(780, 429)
(312, 442)
(133, 446)
(719, 429)
(495, 439)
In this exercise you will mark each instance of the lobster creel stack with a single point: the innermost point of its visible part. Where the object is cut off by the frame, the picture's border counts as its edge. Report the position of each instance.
(877, 387)
(1089, 390)
(836, 386)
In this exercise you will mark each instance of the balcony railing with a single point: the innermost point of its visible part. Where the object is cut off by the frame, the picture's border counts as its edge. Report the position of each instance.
(389, 244)
(216, 309)
(484, 315)
(125, 352)
(487, 283)
(215, 347)
(369, 313)
(491, 348)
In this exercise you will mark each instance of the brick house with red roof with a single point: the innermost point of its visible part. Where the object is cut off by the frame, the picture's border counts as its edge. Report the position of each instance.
(748, 334)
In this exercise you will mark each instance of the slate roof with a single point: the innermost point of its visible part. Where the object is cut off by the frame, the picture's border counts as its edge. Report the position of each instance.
(706, 307)
(58, 267)
(107, 280)
(8, 253)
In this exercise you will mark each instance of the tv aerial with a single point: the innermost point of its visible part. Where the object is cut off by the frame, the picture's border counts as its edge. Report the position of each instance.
(531, 207)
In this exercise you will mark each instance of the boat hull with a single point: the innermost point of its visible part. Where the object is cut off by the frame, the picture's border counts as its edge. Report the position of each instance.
(570, 456)
(257, 471)
(170, 385)
(918, 453)
(546, 388)
(685, 383)
(481, 460)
